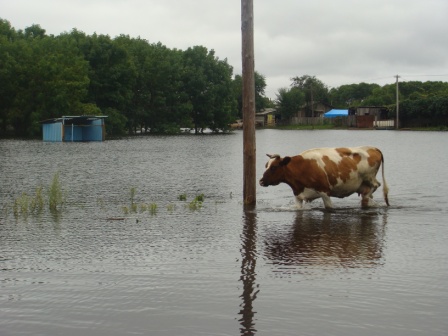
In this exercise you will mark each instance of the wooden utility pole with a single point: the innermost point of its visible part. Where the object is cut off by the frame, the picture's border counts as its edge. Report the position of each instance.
(249, 146)
(398, 104)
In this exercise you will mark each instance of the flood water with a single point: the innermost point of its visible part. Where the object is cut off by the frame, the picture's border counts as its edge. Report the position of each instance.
(164, 264)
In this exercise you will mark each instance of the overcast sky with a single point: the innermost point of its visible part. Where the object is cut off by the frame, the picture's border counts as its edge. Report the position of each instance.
(338, 41)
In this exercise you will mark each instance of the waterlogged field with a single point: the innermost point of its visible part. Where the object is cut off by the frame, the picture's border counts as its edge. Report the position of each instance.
(148, 236)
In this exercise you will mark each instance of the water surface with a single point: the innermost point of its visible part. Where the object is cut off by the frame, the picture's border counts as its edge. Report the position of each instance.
(95, 269)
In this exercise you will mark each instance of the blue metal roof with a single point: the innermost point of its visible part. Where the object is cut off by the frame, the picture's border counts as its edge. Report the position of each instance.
(336, 113)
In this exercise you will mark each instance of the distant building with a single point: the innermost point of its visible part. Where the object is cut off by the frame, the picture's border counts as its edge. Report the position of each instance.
(74, 128)
(266, 118)
(368, 116)
(380, 112)
(316, 110)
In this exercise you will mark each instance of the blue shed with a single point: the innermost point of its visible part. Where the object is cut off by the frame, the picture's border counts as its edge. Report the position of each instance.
(74, 128)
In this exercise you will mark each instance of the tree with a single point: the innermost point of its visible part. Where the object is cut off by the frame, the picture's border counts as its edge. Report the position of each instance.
(208, 86)
(35, 31)
(314, 90)
(50, 78)
(351, 94)
(261, 102)
(8, 68)
(289, 101)
(111, 72)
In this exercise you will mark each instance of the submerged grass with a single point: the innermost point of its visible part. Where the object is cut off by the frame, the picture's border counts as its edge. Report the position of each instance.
(196, 203)
(53, 198)
(56, 198)
(26, 204)
(153, 208)
(135, 207)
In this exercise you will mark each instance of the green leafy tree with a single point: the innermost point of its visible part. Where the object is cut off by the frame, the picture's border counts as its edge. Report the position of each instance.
(261, 102)
(8, 71)
(166, 108)
(111, 72)
(381, 96)
(51, 80)
(289, 101)
(314, 91)
(208, 86)
(351, 94)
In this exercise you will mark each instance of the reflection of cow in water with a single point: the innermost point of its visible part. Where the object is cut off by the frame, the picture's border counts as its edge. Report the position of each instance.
(328, 172)
(342, 238)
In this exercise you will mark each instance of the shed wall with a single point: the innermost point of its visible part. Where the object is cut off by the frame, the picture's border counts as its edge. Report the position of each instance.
(52, 132)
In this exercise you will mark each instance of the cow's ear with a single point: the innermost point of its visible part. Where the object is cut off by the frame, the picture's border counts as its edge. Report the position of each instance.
(285, 161)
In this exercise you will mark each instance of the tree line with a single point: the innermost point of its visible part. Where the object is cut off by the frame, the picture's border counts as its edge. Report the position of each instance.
(140, 86)
(147, 87)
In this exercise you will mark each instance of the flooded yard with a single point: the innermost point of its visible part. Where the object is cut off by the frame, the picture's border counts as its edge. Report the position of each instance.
(152, 239)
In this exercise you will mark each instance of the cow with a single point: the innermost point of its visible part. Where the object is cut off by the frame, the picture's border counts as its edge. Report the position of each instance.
(328, 172)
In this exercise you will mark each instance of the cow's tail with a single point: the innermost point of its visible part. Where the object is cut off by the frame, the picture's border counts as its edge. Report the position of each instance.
(385, 186)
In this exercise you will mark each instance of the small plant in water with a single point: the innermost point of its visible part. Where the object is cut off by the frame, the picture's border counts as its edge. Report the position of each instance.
(196, 204)
(133, 206)
(153, 208)
(21, 205)
(34, 204)
(171, 207)
(55, 194)
(38, 201)
(182, 197)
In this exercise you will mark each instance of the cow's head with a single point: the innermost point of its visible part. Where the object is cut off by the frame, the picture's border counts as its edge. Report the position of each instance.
(275, 170)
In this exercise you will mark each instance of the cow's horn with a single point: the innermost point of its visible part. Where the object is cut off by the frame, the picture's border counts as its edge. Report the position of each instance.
(273, 156)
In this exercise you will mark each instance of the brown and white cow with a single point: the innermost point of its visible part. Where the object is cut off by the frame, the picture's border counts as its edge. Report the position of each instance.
(328, 172)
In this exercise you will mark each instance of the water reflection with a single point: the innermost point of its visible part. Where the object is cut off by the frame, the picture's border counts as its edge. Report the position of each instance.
(248, 274)
(342, 238)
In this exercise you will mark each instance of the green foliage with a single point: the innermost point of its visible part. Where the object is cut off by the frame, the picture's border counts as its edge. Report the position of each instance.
(425, 112)
(115, 123)
(351, 95)
(289, 101)
(261, 102)
(314, 89)
(141, 87)
(208, 86)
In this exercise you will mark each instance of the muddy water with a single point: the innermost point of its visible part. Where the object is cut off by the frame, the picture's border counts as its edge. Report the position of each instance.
(97, 267)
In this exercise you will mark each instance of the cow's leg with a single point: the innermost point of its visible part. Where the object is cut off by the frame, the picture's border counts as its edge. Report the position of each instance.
(327, 201)
(366, 191)
(299, 202)
(366, 196)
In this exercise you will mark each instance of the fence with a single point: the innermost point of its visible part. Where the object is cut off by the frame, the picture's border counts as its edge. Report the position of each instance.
(317, 121)
(384, 124)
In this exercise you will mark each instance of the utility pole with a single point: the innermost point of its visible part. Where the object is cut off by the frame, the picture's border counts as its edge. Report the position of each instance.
(249, 158)
(398, 103)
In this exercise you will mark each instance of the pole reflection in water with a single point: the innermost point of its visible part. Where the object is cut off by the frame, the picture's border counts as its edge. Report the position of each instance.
(248, 274)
